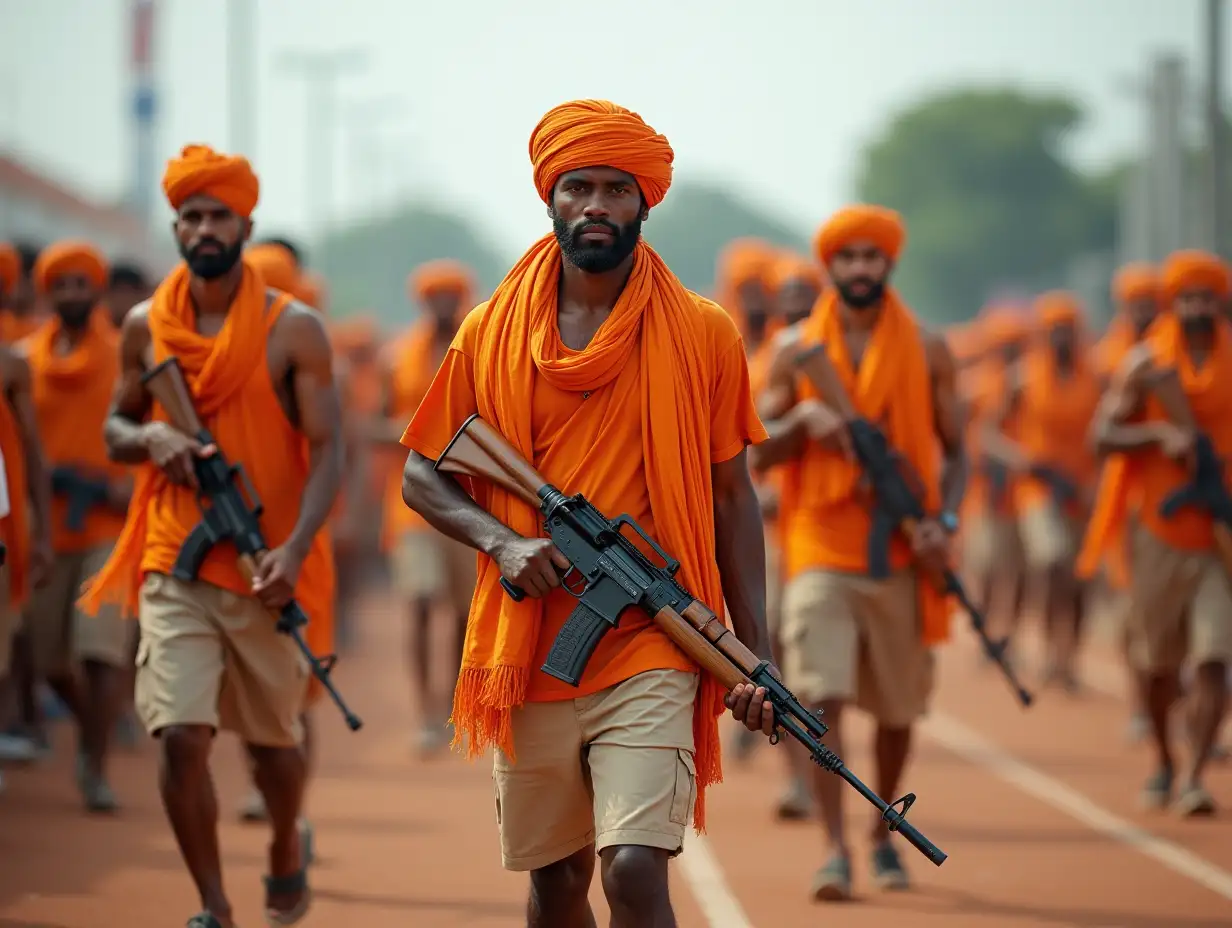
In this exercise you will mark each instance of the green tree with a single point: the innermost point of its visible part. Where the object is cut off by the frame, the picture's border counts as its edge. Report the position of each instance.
(367, 264)
(989, 198)
(697, 219)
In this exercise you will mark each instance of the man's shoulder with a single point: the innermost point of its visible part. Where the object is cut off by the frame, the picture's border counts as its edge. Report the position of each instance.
(714, 322)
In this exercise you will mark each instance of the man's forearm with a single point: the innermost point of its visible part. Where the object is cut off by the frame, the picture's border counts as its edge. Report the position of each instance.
(39, 488)
(320, 492)
(785, 435)
(447, 508)
(953, 481)
(125, 440)
(1138, 437)
(740, 551)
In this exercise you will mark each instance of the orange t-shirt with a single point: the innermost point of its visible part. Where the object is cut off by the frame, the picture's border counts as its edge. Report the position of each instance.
(563, 424)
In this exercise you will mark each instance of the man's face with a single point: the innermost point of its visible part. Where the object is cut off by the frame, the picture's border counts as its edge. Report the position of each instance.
(443, 307)
(860, 272)
(755, 302)
(1141, 313)
(1063, 337)
(73, 298)
(210, 236)
(597, 216)
(1198, 310)
(796, 299)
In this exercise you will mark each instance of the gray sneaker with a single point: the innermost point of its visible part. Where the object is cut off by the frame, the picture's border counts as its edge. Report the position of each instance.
(795, 804)
(98, 796)
(888, 872)
(15, 749)
(832, 883)
(1193, 802)
(253, 809)
(1157, 791)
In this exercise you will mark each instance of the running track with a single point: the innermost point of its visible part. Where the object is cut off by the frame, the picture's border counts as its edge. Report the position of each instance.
(1036, 810)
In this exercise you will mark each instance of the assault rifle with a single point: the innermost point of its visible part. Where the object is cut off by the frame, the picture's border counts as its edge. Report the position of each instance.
(83, 494)
(229, 514)
(609, 574)
(898, 504)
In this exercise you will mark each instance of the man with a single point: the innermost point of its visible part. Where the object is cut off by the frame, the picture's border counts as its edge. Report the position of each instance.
(73, 364)
(1051, 399)
(25, 528)
(432, 572)
(743, 289)
(127, 286)
(617, 383)
(1135, 293)
(848, 636)
(22, 312)
(794, 283)
(259, 369)
(1180, 610)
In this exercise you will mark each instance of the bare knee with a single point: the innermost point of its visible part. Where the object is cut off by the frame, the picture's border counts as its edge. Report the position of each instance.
(635, 878)
(277, 761)
(185, 751)
(563, 885)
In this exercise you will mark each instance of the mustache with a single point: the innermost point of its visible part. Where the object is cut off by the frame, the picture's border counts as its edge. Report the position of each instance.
(215, 243)
(588, 224)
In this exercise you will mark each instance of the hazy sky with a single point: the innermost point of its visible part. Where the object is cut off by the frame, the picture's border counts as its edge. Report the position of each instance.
(777, 105)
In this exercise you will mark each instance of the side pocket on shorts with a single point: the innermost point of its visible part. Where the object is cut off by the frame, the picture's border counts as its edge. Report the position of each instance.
(496, 797)
(143, 652)
(685, 791)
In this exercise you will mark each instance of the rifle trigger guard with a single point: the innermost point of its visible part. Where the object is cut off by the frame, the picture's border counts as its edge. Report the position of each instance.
(900, 815)
(775, 736)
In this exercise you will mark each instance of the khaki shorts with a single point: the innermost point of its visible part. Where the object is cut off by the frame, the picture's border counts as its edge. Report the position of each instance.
(10, 622)
(609, 769)
(208, 656)
(432, 566)
(992, 545)
(61, 635)
(1180, 606)
(1050, 539)
(774, 589)
(850, 637)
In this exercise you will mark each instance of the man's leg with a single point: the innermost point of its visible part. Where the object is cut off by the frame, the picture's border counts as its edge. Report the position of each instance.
(640, 734)
(821, 647)
(179, 675)
(544, 811)
(421, 580)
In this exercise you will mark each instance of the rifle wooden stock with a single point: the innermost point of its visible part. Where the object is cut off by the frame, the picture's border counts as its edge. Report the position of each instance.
(478, 450)
(1165, 386)
(165, 382)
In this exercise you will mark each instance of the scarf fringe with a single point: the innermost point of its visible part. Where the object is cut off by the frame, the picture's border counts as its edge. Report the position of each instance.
(483, 702)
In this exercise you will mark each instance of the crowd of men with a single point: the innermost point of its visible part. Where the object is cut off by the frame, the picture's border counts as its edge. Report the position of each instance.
(1043, 455)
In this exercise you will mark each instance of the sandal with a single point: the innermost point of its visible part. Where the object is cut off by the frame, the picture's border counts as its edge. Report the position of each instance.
(203, 920)
(286, 885)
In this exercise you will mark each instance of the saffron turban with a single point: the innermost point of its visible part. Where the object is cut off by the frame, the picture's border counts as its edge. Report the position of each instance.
(442, 276)
(275, 265)
(70, 257)
(596, 133)
(789, 267)
(199, 169)
(862, 222)
(1135, 282)
(1057, 307)
(1195, 270)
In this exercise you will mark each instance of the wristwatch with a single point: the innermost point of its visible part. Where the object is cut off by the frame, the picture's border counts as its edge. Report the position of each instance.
(948, 521)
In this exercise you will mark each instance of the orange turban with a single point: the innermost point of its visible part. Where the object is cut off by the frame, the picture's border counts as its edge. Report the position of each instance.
(441, 276)
(744, 261)
(275, 265)
(10, 267)
(63, 258)
(595, 133)
(862, 222)
(1002, 326)
(1057, 307)
(199, 169)
(1195, 270)
(789, 267)
(354, 333)
(1136, 282)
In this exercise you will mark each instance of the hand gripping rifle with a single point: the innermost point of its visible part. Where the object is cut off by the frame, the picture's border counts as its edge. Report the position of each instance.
(897, 503)
(229, 514)
(609, 574)
(82, 493)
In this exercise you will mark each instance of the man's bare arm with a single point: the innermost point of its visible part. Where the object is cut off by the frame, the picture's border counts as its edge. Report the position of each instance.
(385, 429)
(993, 440)
(38, 477)
(1111, 430)
(948, 422)
(741, 552)
(449, 509)
(125, 429)
(776, 405)
(320, 419)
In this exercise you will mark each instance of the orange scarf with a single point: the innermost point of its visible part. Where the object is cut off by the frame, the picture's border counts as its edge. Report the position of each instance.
(519, 341)
(92, 361)
(1137, 483)
(215, 369)
(13, 328)
(892, 388)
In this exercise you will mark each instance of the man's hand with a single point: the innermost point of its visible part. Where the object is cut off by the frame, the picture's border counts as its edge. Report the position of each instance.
(41, 556)
(824, 426)
(173, 452)
(1177, 443)
(930, 544)
(534, 564)
(276, 575)
(119, 494)
(749, 706)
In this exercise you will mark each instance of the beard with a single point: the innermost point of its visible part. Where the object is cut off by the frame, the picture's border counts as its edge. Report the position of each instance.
(593, 258)
(1201, 326)
(211, 265)
(75, 314)
(872, 295)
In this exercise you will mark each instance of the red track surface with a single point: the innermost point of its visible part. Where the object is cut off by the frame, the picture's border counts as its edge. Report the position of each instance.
(406, 842)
